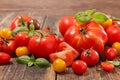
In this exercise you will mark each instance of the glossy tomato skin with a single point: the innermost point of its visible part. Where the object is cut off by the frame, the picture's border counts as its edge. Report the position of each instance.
(4, 58)
(90, 56)
(10, 47)
(65, 23)
(86, 36)
(110, 53)
(22, 39)
(43, 47)
(113, 32)
(107, 66)
(79, 67)
(16, 21)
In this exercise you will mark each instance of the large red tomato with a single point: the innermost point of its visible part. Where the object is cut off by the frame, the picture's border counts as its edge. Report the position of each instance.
(65, 23)
(42, 47)
(16, 21)
(86, 36)
(113, 33)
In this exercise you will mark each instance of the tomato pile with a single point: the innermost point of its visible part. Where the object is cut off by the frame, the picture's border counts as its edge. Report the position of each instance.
(84, 37)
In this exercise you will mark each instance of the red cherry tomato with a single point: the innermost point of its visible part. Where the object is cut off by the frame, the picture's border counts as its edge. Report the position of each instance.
(107, 66)
(90, 56)
(79, 67)
(110, 53)
(16, 21)
(65, 23)
(22, 39)
(4, 58)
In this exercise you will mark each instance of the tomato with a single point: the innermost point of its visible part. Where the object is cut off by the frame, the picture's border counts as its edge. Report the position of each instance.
(59, 65)
(16, 21)
(65, 23)
(65, 46)
(4, 58)
(5, 33)
(85, 36)
(42, 47)
(79, 67)
(67, 56)
(107, 66)
(90, 56)
(10, 47)
(21, 51)
(116, 45)
(22, 39)
(113, 32)
(110, 53)
(61, 39)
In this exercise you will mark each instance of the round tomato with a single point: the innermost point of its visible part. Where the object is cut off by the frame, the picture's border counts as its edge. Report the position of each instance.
(42, 47)
(116, 45)
(59, 65)
(4, 58)
(10, 47)
(22, 39)
(107, 66)
(110, 53)
(113, 32)
(90, 56)
(65, 23)
(5, 33)
(23, 50)
(79, 67)
(85, 36)
(20, 21)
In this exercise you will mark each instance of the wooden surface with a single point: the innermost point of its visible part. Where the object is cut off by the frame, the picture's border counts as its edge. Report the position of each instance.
(55, 10)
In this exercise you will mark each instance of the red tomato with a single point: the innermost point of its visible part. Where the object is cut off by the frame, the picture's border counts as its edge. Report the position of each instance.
(42, 47)
(65, 23)
(90, 56)
(61, 39)
(22, 39)
(110, 53)
(79, 67)
(65, 46)
(113, 32)
(16, 21)
(107, 66)
(86, 36)
(67, 56)
(10, 47)
(4, 58)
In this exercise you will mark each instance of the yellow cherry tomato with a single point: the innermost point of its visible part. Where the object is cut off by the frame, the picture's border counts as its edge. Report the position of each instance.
(59, 65)
(5, 33)
(107, 23)
(116, 45)
(21, 51)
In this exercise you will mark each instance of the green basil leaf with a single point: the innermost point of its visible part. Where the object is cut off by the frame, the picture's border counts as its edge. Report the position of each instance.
(32, 58)
(30, 63)
(115, 63)
(23, 59)
(41, 62)
(99, 17)
(90, 12)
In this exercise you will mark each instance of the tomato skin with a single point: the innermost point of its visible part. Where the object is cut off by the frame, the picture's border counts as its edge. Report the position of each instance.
(90, 56)
(113, 32)
(110, 53)
(107, 66)
(10, 47)
(116, 45)
(16, 21)
(94, 36)
(45, 47)
(22, 39)
(67, 56)
(65, 23)
(4, 58)
(79, 67)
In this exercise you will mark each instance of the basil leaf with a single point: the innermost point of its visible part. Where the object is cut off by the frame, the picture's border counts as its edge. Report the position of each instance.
(115, 63)
(99, 17)
(30, 63)
(23, 59)
(90, 12)
(41, 62)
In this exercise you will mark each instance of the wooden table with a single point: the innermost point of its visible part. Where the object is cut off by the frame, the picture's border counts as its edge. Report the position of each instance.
(55, 10)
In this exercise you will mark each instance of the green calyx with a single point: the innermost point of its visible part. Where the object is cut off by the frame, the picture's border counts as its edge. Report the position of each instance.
(88, 15)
